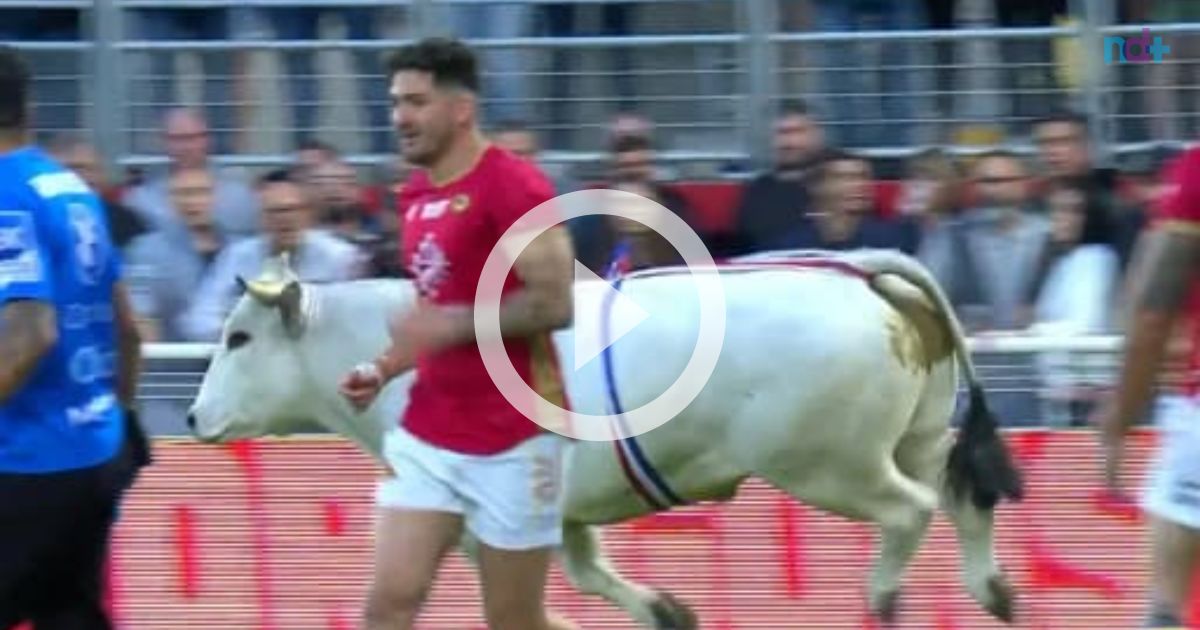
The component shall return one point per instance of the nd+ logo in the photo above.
(1141, 49)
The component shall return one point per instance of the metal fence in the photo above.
(710, 74)
(1031, 380)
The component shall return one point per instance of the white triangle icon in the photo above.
(590, 335)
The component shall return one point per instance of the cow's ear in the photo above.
(291, 308)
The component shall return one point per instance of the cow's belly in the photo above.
(795, 346)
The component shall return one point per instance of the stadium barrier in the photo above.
(276, 534)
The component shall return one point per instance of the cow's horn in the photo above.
(265, 291)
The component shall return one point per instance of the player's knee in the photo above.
(395, 605)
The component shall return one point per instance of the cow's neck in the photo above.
(347, 325)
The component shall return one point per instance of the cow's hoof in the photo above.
(886, 608)
(672, 614)
(1002, 599)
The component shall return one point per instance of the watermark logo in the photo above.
(1141, 49)
(602, 316)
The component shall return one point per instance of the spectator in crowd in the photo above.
(777, 200)
(1078, 270)
(313, 153)
(1147, 177)
(633, 165)
(932, 197)
(290, 222)
(844, 215)
(187, 142)
(341, 211)
(990, 259)
(1064, 146)
(517, 136)
(166, 267)
(1073, 292)
(77, 154)
(300, 23)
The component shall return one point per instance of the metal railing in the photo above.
(1022, 374)
(711, 82)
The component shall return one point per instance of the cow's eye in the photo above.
(236, 340)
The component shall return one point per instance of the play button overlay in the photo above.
(603, 317)
(591, 336)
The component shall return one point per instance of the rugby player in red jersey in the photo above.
(1162, 285)
(462, 455)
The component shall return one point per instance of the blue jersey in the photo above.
(55, 248)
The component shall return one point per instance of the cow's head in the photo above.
(256, 382)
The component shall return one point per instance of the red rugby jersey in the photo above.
(1179, 209)
(448, 232)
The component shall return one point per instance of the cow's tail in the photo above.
(979, 462)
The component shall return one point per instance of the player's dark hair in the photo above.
(449, 61)
(14, 89)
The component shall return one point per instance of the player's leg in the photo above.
(35, 523)
(76, 575)
(420, 520)
(1174, 549)
(516, 513)
(1173, 501)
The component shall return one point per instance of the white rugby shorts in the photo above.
(1173, 486)
(512, 500)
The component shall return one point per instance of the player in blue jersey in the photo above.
(69, 357)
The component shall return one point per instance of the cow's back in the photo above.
(799, 346)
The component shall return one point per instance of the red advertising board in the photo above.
(276, 535)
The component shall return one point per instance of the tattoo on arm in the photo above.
(546, 301)
(28, 329)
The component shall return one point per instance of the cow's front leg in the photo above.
(591, 574)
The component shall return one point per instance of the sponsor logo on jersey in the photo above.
(20, 262)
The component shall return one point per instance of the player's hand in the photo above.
(362, 385)
(1112, 439)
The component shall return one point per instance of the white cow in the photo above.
(834, 387)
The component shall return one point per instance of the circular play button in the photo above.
(603, 315)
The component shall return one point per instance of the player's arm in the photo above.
(1163, 272)
(28, 318)
(129, 346)
(545, 301)
(28, 331)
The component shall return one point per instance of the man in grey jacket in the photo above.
(187, 140)
(289, 220)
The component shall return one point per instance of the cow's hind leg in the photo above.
(905, 510)
(923, 455)
(587, 569)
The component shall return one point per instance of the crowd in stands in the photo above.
(1021, 243)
